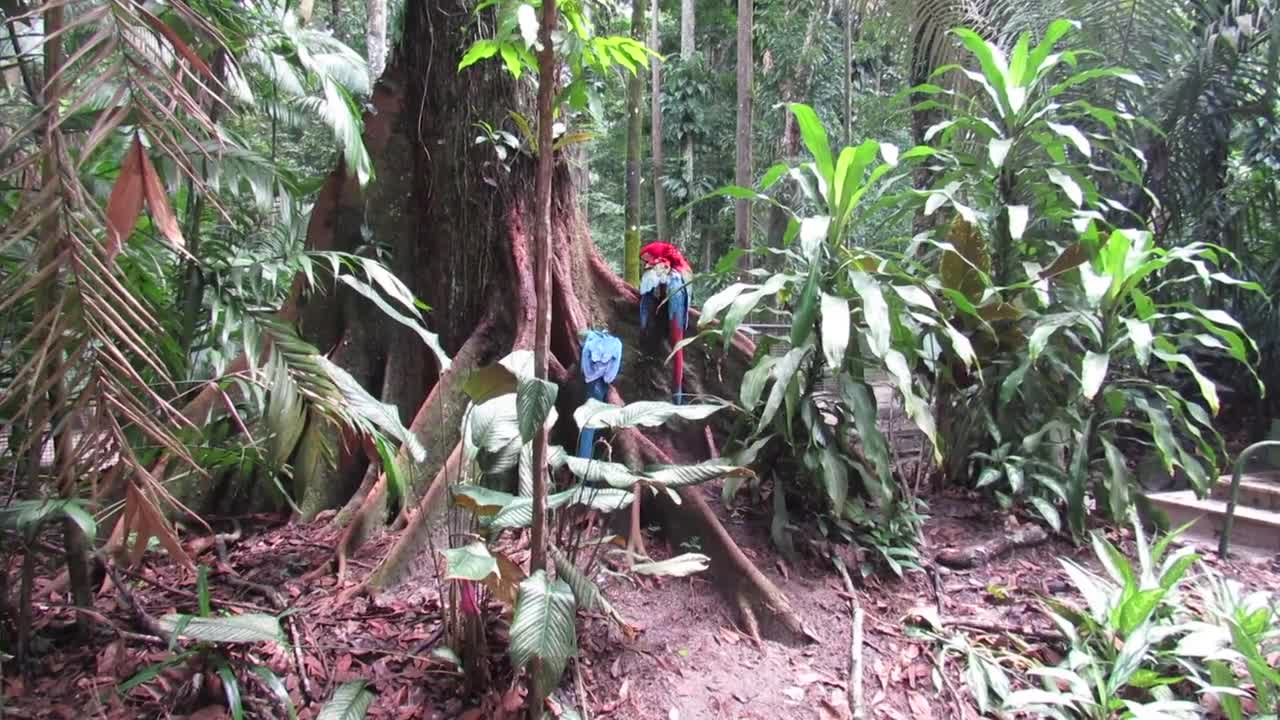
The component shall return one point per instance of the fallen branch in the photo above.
(855, 646)
(987, 626)
(971, 557)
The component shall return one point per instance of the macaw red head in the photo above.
(660, 253)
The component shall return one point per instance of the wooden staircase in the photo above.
(1257, 513)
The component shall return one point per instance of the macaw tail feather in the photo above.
(599, 390)
(677, 382)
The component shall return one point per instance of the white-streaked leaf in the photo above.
(1093, 373)
(1018, 216)
(1068, 185)
(597, 415)
(544, 627)
(998, 150)
(350, 701)
(678, 566)
(528, 20)
(1072, 133)
(835, 329)
(246, 628)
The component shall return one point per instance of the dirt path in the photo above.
(688, 662)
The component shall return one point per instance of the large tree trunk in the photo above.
(460, 222)
(687, 17)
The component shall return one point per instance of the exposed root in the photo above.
(730, 562)
(396, 565)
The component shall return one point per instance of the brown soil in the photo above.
(689, 661)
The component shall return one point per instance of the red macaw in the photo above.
(667, 277)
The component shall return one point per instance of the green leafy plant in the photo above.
(215, 639)
(1078, 330)
(852, 311)
(493, 495)
(1151, 640)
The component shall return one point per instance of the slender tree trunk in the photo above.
(794, 89)
(635, 130)
(848, 72)
(376, 38)
(742, 174)
(655, 126)
(542, 290)
(687, 17)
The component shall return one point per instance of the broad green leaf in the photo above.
(783, 373)
(813, 233)
(597, 415)
(754, 381)
(1048, 511)
(995, 69)
(835, 476)
(678, 566)
(1119, 480)
(815, 139)
(1207, 388)
(246, 628)
(383, 416)
(1093, 373)
(917, 407)
(835, 329)
(470, 562)
(480, 50)
(544, 627)
(480, 500)
(1052, 34)
(350, 701)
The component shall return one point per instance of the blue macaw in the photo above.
(601, 360)
(667, 277)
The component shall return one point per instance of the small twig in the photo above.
(148, 624)
(855, 667)
(187, 594)
(582, 692)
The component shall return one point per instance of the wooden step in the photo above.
(1257, 490)
(1253, 526)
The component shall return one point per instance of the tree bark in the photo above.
(376, 38)
(687, 16)
(655, 126)
(742, 174)
(635, 130)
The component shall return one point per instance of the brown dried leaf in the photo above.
(150, 523)
(125, 203)
(158, 201)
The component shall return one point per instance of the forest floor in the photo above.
(689, 660)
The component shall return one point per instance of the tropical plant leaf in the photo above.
(350, 701)
(469, 562)
(246, 628)
(544, 627)
(678, 566)
(597, 415)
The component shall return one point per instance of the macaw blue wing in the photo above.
(601, 357)
(648, 304)
(679, 297)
